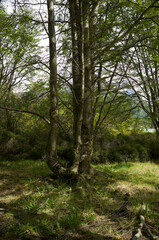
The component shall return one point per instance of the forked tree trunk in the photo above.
(51, 154)
(83, 85)
(83, 82)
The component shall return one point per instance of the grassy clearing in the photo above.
(35, 206)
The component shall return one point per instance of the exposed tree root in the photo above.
(70, 174)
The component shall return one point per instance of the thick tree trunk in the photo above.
(75, 8)
(89, 23)
(83, 81)
(82, 101)
(83, 85)
(87, 124)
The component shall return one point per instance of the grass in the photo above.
(35, 206)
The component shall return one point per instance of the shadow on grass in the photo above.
(46, 226)
(63, 220)
(93, 210)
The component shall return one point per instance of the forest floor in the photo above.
(33, 206)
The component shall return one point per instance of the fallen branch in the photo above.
(139, 233)
(142, 225)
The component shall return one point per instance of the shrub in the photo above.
(154, 149)
(115, 156)
(124, 148)
(100, 157)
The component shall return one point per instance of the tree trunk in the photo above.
(87, 124)
(81, 72)
(83, 82)
(75, 8)
(52, 138)
(89, 22)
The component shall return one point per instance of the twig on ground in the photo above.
(37, 209)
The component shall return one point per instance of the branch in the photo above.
(43, 23)
(25, 111)
(65, 104)
(69, 85)
(119, 38)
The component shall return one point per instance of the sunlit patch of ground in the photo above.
(35, 206)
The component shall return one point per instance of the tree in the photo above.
(19, 50)
(83, 20)
(52, 139)
(142, 67)
(85, 61)
(143, 78)
(19, 57)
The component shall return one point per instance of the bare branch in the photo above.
(25, 111)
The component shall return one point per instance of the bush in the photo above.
(154, 149)
(124, 148)
(100, 157)
(115, 156)
(8, 143)
(29, 143)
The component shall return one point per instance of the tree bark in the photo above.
(52, 138)
(87, 124)
(83, 81)
(89, 23)
(75, 7)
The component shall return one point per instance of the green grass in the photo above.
(35, 205)
(136, 173)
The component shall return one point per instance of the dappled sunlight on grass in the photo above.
(37, 205)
